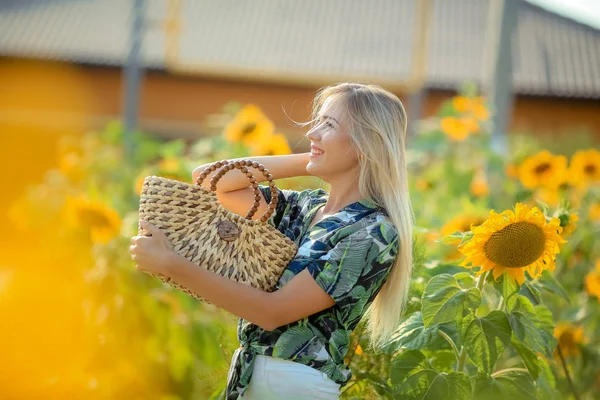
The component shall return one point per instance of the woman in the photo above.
(354, 255)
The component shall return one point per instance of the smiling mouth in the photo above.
(316, 152)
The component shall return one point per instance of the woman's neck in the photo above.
(341, 194)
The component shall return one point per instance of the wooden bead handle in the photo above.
(243, 165)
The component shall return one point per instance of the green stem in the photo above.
(452, 344)
(461, 361)
(564, 364)
(508, 370)
(481, 280)
(500, 304)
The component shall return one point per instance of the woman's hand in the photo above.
(154, 253)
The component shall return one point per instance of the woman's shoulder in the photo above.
(312, 196)
(381, 226)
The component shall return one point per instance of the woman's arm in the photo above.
(234, 191)
(241, 300)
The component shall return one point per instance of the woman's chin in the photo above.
(312, 169)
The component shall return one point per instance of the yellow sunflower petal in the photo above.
(462, 104)
(454, 128)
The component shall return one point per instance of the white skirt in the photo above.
(276, 379)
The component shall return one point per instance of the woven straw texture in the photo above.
(200, 229)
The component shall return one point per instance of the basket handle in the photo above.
(243, 166)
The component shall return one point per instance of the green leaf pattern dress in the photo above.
(349, 255)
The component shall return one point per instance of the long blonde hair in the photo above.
(377, 125)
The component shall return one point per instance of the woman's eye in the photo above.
(329, 124)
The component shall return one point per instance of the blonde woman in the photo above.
(354, 255)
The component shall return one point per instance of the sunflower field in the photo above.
(504, 300)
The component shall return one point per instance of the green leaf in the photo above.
(551, 285)
(546, 325)
(529, 290)
(546, 385)
(511, 385)
(439, 342)
(428, 384)
(444, 300)
(462, 236)
(443, 360)
(529, 357)
(173, 148)
(405, 363)
(486, 338)
(411, 335)
(447, 109)
(465, 280)
(532, 326)
(523, 195)
(219, 392)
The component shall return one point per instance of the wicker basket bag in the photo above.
(200, 229)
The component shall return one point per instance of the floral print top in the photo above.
(349, 254)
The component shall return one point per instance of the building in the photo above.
(61, 61)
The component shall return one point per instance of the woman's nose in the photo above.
(313, 133)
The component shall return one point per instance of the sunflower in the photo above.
(461, 104)
(568, 223)
(458, 129)
(461, 223)
(479, 185)
(592, 281)
(423, 184)
(472, 106)
(514, 242)
(248, 126)
(569, 338)
(102, 221)
(270, 145)
(585, 168)
(543, 169)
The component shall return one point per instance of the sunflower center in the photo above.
(516, 246)
(590, 169)
(92, 218)
(567, 340)
(248, 129)
(540, 169)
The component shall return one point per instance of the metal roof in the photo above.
(266, 39)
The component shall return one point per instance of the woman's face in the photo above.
(332, 153)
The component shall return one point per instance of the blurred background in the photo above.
(97, 94)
